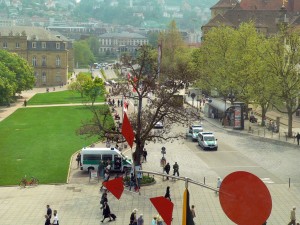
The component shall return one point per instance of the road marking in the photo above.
(267, 180)
(235, 166)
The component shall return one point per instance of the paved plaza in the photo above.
(78, 200)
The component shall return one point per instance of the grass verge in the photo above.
(39, 142)
(59, 97)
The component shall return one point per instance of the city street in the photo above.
(78, 201)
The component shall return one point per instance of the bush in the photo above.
(145, 180)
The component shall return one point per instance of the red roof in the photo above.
(291, 5)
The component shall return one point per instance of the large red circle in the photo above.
(245, 199)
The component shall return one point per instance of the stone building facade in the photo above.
(121, 42)
(51, 55)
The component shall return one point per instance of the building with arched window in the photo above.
(50, 54)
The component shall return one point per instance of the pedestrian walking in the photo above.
(25, 104)
(49, 211)
(78, 159)
(154, 221)
(103, 199)
(168, 195)
(106, 212)
(159, 220)
(101, 169)
(139, 176)
(133, 217)
(175, 169)
(132, 181)
(118, 103)
(219, 182)
(113, 102)
(167, 169)
(293, 216)
(55, 218)
(145, 153)
(47, 222)
(193, 211)
(140, 220)
(121, 102)
(106, 178)
(298, 138)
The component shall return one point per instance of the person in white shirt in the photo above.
(55, 218)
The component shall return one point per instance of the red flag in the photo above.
(127, 130)
(134, 84)
(164, 207)
(115, 186)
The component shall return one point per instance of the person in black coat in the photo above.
(167, 195)
(298, 138)
(47, 222)
(106, 212)
(167, 169)
(103, 199)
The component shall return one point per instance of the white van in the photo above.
(193, 131)
(90, 158)
(207, 140)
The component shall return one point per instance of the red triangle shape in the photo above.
(164, 207)
(115, 186)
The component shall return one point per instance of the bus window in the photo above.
(117, 162)
(91, 157)
(106, 157)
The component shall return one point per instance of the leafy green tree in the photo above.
(214, 61)
(83, 54)
(94, 45)
(23, 71)
(81, 79)
(232, 61)
(7, 84)
(282, 61)
(19, 77)
(93, 89)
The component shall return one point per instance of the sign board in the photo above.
(93, 175)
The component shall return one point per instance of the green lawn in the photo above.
(59, 97)
(39, 142)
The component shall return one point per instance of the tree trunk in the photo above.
(263, 114)
(290, 123)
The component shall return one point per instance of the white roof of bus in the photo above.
(100, 149)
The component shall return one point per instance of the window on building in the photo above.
(44, 61)
(34, 61)
(44, 78)
(58, 78)
(33, 44)
(4, 44)
(57, 62)
(44, 45)
(17, 45)
(57, 45)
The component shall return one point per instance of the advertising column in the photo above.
(238, 116)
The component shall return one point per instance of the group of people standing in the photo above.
(48, 216)
(134, 219)
(167, 169)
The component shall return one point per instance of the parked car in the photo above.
(207, 140)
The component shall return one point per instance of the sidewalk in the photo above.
(78, 201)
(255, 128)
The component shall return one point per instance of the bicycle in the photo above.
(24, 182)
